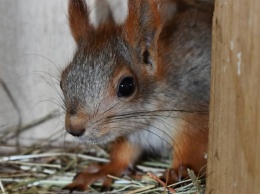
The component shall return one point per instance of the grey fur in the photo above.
(156, 108)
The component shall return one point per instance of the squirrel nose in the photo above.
(75, 131)
(75, 125)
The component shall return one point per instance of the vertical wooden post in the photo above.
(234, 140)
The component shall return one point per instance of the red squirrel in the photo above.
(141, 86)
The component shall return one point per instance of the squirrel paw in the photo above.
(84, 179)
(172, 176)
(93, 173)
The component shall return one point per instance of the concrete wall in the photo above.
(35, 43)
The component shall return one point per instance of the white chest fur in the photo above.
(158, 136)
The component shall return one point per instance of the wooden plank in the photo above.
(234, 140)
(35, 44)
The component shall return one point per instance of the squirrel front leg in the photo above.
(122, 156)
(190, 148)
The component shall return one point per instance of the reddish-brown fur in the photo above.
(191, 141)
(78, 23)
(192, 144)
(121, 155)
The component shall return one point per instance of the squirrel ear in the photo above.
(151, 26)
(78, 19)
(85, 14)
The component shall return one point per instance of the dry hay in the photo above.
(43, 169)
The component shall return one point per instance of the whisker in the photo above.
(52, 85)
(46, 58)
(110, 108)
(127, 127)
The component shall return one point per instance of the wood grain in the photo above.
(234, 140)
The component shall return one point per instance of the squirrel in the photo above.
(141, 86)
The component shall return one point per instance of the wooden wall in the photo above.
(234, 142)
(35, 42)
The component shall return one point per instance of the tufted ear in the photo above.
(78, 19)
(85, 14)
(107, 11)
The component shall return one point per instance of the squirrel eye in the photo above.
(126, 87)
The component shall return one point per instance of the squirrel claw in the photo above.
(172, 176)
(80, 183)
(74, 187)
(82, 180)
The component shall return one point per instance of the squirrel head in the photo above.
(112, 72)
